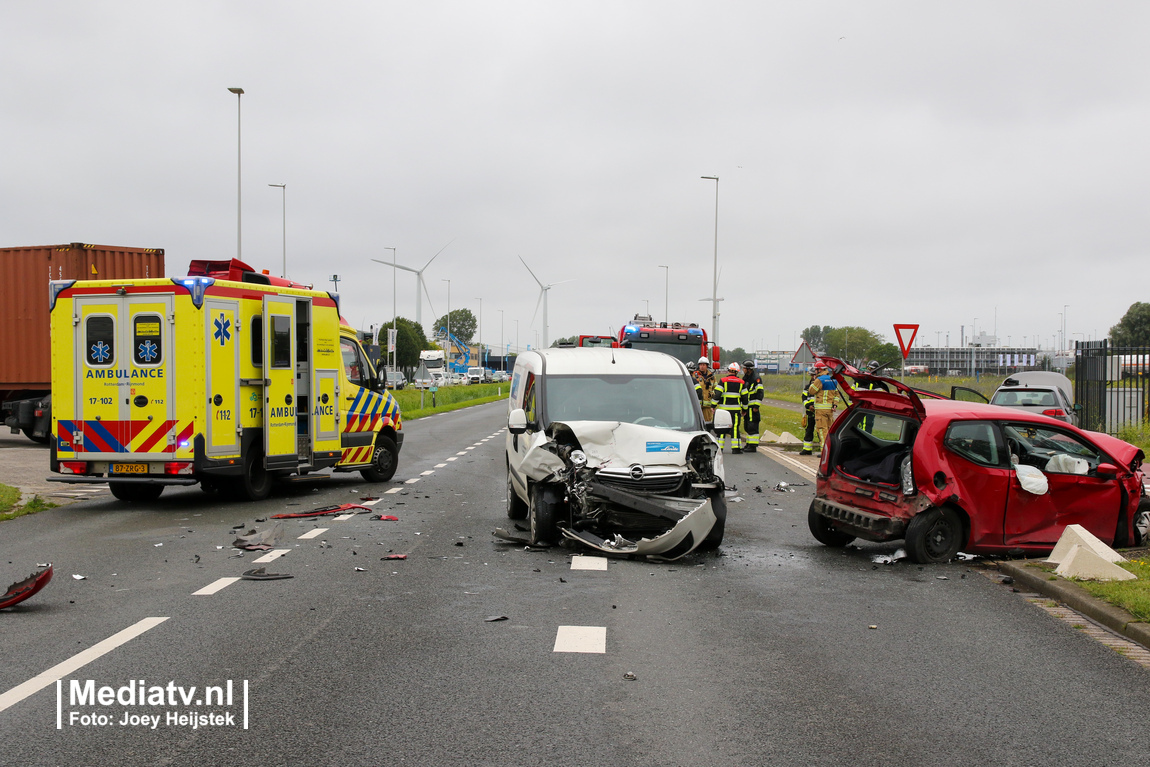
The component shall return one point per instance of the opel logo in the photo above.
(638, 472)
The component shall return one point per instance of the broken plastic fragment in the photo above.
(495, 618)
(630, 677)
(361, 569)
(79, 577)
(888, 559)
(21, 590)
(394, 556)
(261, 574)
(383, 518)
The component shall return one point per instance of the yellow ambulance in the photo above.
(226, 377)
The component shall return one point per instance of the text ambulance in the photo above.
(225, 377)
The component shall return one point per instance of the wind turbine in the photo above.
(543, 289)
(420, 285)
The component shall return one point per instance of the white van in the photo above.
(608, 447)
(475, 375)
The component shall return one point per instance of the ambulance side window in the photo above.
(281, 341)
(100, 333)
(353, 365)
(147, 342)
(257, 340)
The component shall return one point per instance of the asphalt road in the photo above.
(760, 655)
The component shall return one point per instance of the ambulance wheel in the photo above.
(255, 484)
(133, 492)
(383, 460)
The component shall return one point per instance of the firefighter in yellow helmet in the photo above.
(825, 391)
(731, 395)
(808, 421)
(705, 387)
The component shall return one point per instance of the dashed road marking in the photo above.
(214, 586)
(271, 556)
(313, 533)
(586, 639)
(463, 452)
(344, 517)
(466, 449)
(453, 458)
(411, 481)
(77, 661)
(440, 465)
(427, 473)
(372, 502)
(393, 490)
(583, 562)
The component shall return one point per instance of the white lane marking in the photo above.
(790, 463)
(466, 449)
(485, 439)
(271, 556)
(344, 517)
(214, 586)
(453, 458)
(462, 452)
(313, 533)
(590, 639)
(411, 481)
(427, 473)
(583, 562)
(372, 502)
(393, 490)
(440, 465)
(77, 661)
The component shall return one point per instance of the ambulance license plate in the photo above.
(129, 468)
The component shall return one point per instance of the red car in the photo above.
(945, 476)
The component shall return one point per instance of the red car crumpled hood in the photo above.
(905, 402)
(1123, 451)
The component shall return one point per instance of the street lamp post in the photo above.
(448, 317)
(666, 294)
(715, 271)
(482, 362)
(1064, 308)
(283, 188)
(239, 166)
(501, 340)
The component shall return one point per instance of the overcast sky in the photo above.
(879, 162)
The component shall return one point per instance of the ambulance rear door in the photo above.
(124, 378)
(223, 370)
(279, 382)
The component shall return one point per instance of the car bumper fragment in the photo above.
(866, 524)
(697, 519)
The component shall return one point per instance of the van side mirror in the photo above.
(723, 420)
(517, 421)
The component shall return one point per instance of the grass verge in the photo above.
(447, 399)
(10, 498)
(1131, 596)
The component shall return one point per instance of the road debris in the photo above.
(630, 677)
(383, 518)
(889, 559)
(361, 569)
(261, 574)
(393, 556)
(495, 618)
(323, 511)
(521, 540)
(254, 540)
(79, 577)
(21, 590)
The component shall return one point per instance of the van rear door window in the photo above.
(147, 341)
(281, 341)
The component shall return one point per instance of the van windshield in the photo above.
(667, 402)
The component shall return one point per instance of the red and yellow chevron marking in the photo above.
(353, 456)
(123, 436)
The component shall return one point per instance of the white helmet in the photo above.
(734, 367)
(704, 361)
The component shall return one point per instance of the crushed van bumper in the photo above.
(696, 518)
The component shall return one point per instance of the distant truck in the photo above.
(26, 361)
(685, 342)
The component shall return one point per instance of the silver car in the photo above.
(1042, 392)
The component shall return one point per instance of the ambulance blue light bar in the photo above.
(197, 286)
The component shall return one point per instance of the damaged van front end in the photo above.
(626, 489)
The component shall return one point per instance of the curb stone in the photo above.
(1114, 618)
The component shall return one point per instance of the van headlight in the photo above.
(908, 487)
(578, 459)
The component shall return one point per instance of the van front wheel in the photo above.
(383, 460)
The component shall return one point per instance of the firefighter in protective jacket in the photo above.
(825, 391)
(754, 389)
(808, 421)
(731, 395)
(705, 387)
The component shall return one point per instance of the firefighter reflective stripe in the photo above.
(729, 394)
(755, 390)
(824, 391)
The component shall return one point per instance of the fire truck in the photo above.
(225, 377)
(685, 342)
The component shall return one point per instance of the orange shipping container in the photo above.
(25, 357)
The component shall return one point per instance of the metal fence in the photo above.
(1112, 384)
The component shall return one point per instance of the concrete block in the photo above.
(1083, 563)
(786, 438)
(1077, 535)
(768, 436)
